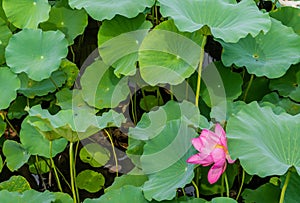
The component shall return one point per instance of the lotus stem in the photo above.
(226, 184)
(200, 70)
(196, 188)
(242, 184)
(114, 152)
(286, 182)
(71, 154)
(248, 87)
(54, 167)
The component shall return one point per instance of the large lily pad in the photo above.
(31, 88)
(107, 9)
(27, 196)
(101, 88)
(265, 143)
(26, 13)
(9, 84)
(289, 84)
(36, 143)
(119, 40)
(168, 55)
(15, 184)
(36, 53)
(167, 133)
(227, 20)
(269, 54)
(288, 16)
(5, 35)
(71, 22)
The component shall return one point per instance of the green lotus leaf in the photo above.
(94, 154)
(90, 181)
(31, 88)
(128, 193)
(280, 104)
(119, 40)
(9, 84)
(262, 145)
(27, 196)
(176, 54)
(223, 111)
(39, 165)
(227, 20)
(288, 16)
(16, 155)
(107, 9)
(289, 84)
(71, 22)
(264, 55)
(26, 13)
(15, 184)
(36, 143)
(5, 35)
(2, 13)
(71, 70)
(16, 108)
(36, 53)
(101, 88)
(265, 193)
(227, 86)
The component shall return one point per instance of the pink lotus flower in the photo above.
(212, 147)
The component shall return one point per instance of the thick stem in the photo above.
(54, 168)
(200, 70)
(248, 87)
(196, 188)
(226, 183)
(241, 186)
(71, 156)
(114, 152)
(286, 182)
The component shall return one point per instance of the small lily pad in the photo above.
(26, 13)
(15, 184)
(36, 53)
(94, 154)
(16, 155)
(9, 84)
(90, 181)
(71, 22)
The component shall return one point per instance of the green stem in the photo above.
(200, 70)
(242, 184)
(286, 182)
(248, 87)
(73, 54)
(226, 183)
(196, 188)
(145, 100)
(71, 154)
(114, 152)
(54, 168)
(10, 125)
(274, 4)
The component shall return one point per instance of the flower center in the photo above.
(222, 147)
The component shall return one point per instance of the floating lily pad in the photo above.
(71, 22)
(36, 143)
(262, 145)
(15, 184)
(94, 154)
(16, 155)
(5, 35)
(101, 88)
(31, 88)
(26, 13)
(9, 84)
(288, 16)
(90, 181)
(269, 54)
(227, 20)
(119, 40)
(168, 55)
(36, 53)
(104, 9)
(289, 84)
